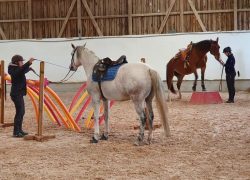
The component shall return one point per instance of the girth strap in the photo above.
(103, 97)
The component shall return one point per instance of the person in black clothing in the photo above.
(230, 73)
(17, 71)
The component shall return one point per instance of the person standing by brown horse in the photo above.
(230, 73)
(188, 61)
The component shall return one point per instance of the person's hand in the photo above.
(221, 62)
(31, 60)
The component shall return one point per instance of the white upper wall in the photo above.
(157, 49)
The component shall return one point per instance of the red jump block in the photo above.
(206, 98)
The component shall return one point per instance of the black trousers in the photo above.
(20, 111)
(230, 86)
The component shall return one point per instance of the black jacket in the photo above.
(229, 66)
(18, 78)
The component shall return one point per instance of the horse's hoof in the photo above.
(104, 137)
(93, 140)
(149, 141)
(194, 88)
(204, 89)
(138, 143)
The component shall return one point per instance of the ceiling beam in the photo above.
(30, 19)
(166, 17)
(197, 15)
(79, 18)
(235, 16)
(66, 18)
(2, 33)
(181, 16)
(99, 32)
(130, 20)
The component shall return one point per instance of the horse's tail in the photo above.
(160, 99)
(169, 77)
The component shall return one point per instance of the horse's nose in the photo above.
(71, 68)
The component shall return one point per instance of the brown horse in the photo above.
(188, 61)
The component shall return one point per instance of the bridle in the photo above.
(212, 49)
(72, 62)
(72, 58)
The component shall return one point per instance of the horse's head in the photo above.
(215, 49)
(75, 62)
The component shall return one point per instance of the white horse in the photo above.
(135, 81)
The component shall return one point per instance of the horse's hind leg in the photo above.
(180, 78)
(139, 107)
(106, 119)
(195, 81)
(202, 78)
(150, 116)
(150, 120)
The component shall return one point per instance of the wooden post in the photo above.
(39, 136)
(197, 15)
(30, 18)
(235, 16)
(130, 20)
(41, 100)
(66, 18)
(181, 16)
(2, 98)
(163, 23)
(79, 18)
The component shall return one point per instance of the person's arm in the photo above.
(17, 71)
(26, 66)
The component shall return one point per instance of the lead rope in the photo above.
(62, 80)
(220, 85)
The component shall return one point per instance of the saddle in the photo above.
(184, 54)
(103, 65)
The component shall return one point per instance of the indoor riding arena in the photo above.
(97, 78)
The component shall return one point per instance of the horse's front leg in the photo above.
(139, 106)
(106, 119)
(96, 106)
(195, 80)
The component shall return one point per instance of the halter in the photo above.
(72, 58)
(72, 62)
(211, 45)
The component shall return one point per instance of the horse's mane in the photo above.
(203, 45)
(82, 48)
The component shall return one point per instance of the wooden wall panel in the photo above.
(62, 18)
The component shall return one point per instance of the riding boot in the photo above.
(21, 128)
(17, 131)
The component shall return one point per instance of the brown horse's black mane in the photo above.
(204, 45)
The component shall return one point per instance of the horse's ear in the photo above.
(84, 45)
(73, 46)
(217, 39)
